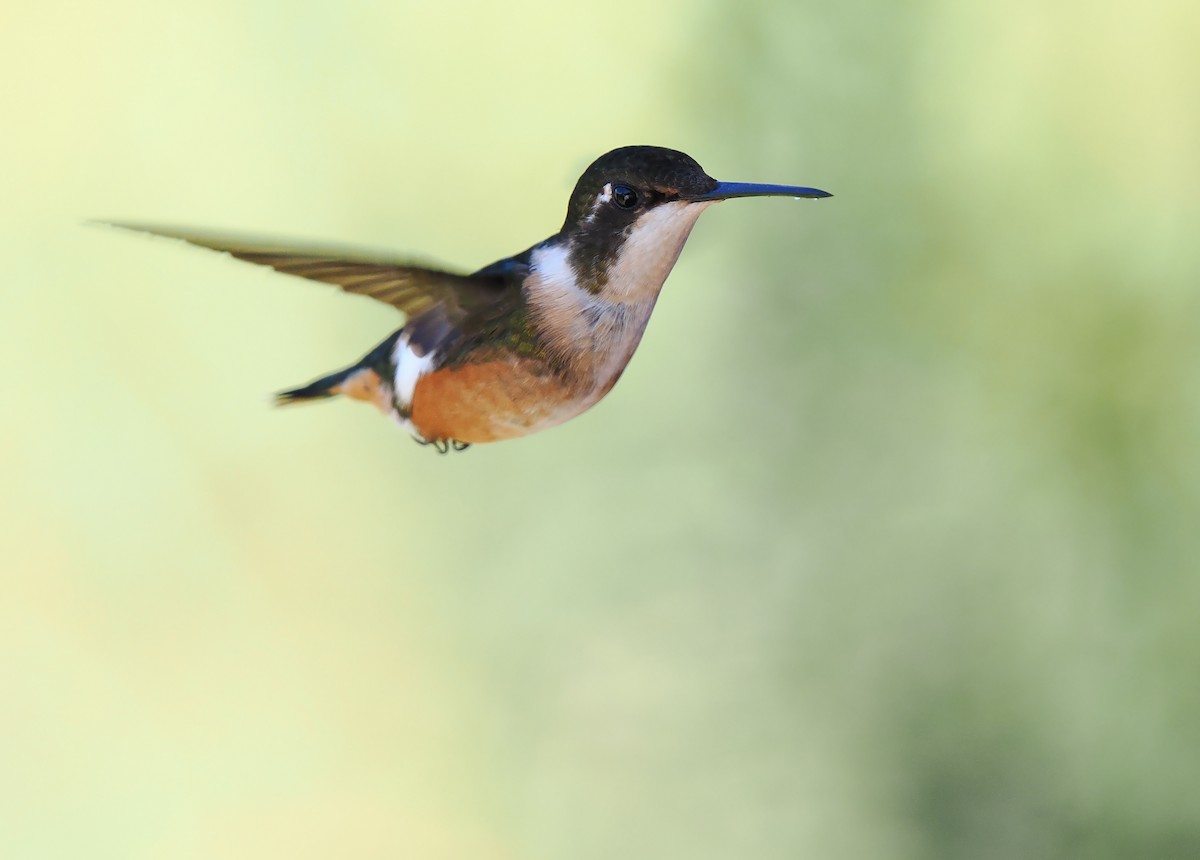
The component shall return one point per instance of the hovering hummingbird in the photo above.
(529, 341)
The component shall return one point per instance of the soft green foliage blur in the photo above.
(886, 546)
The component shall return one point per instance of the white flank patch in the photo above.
(409, 368)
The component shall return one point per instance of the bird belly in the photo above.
(489, 401)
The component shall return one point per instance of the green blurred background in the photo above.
(885, 547)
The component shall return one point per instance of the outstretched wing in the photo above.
(410, 288)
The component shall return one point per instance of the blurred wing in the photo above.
(410, 288)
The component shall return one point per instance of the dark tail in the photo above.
(359, 381)
(319, 389)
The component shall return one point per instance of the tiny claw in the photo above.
(442, 446)
(439, 445)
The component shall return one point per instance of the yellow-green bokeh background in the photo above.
(885, 547)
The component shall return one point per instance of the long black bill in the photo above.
(725, 190)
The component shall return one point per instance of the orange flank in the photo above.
(490, 401)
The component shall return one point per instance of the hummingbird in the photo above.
(529, 341)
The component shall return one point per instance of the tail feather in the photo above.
(318, 389)
(362, 381)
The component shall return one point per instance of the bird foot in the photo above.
(443, 446)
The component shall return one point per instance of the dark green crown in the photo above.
(667, 171)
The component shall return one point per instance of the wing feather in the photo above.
(409, 287)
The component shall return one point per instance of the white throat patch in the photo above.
(650, 251)
(643, 262)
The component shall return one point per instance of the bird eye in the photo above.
(624, 196)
